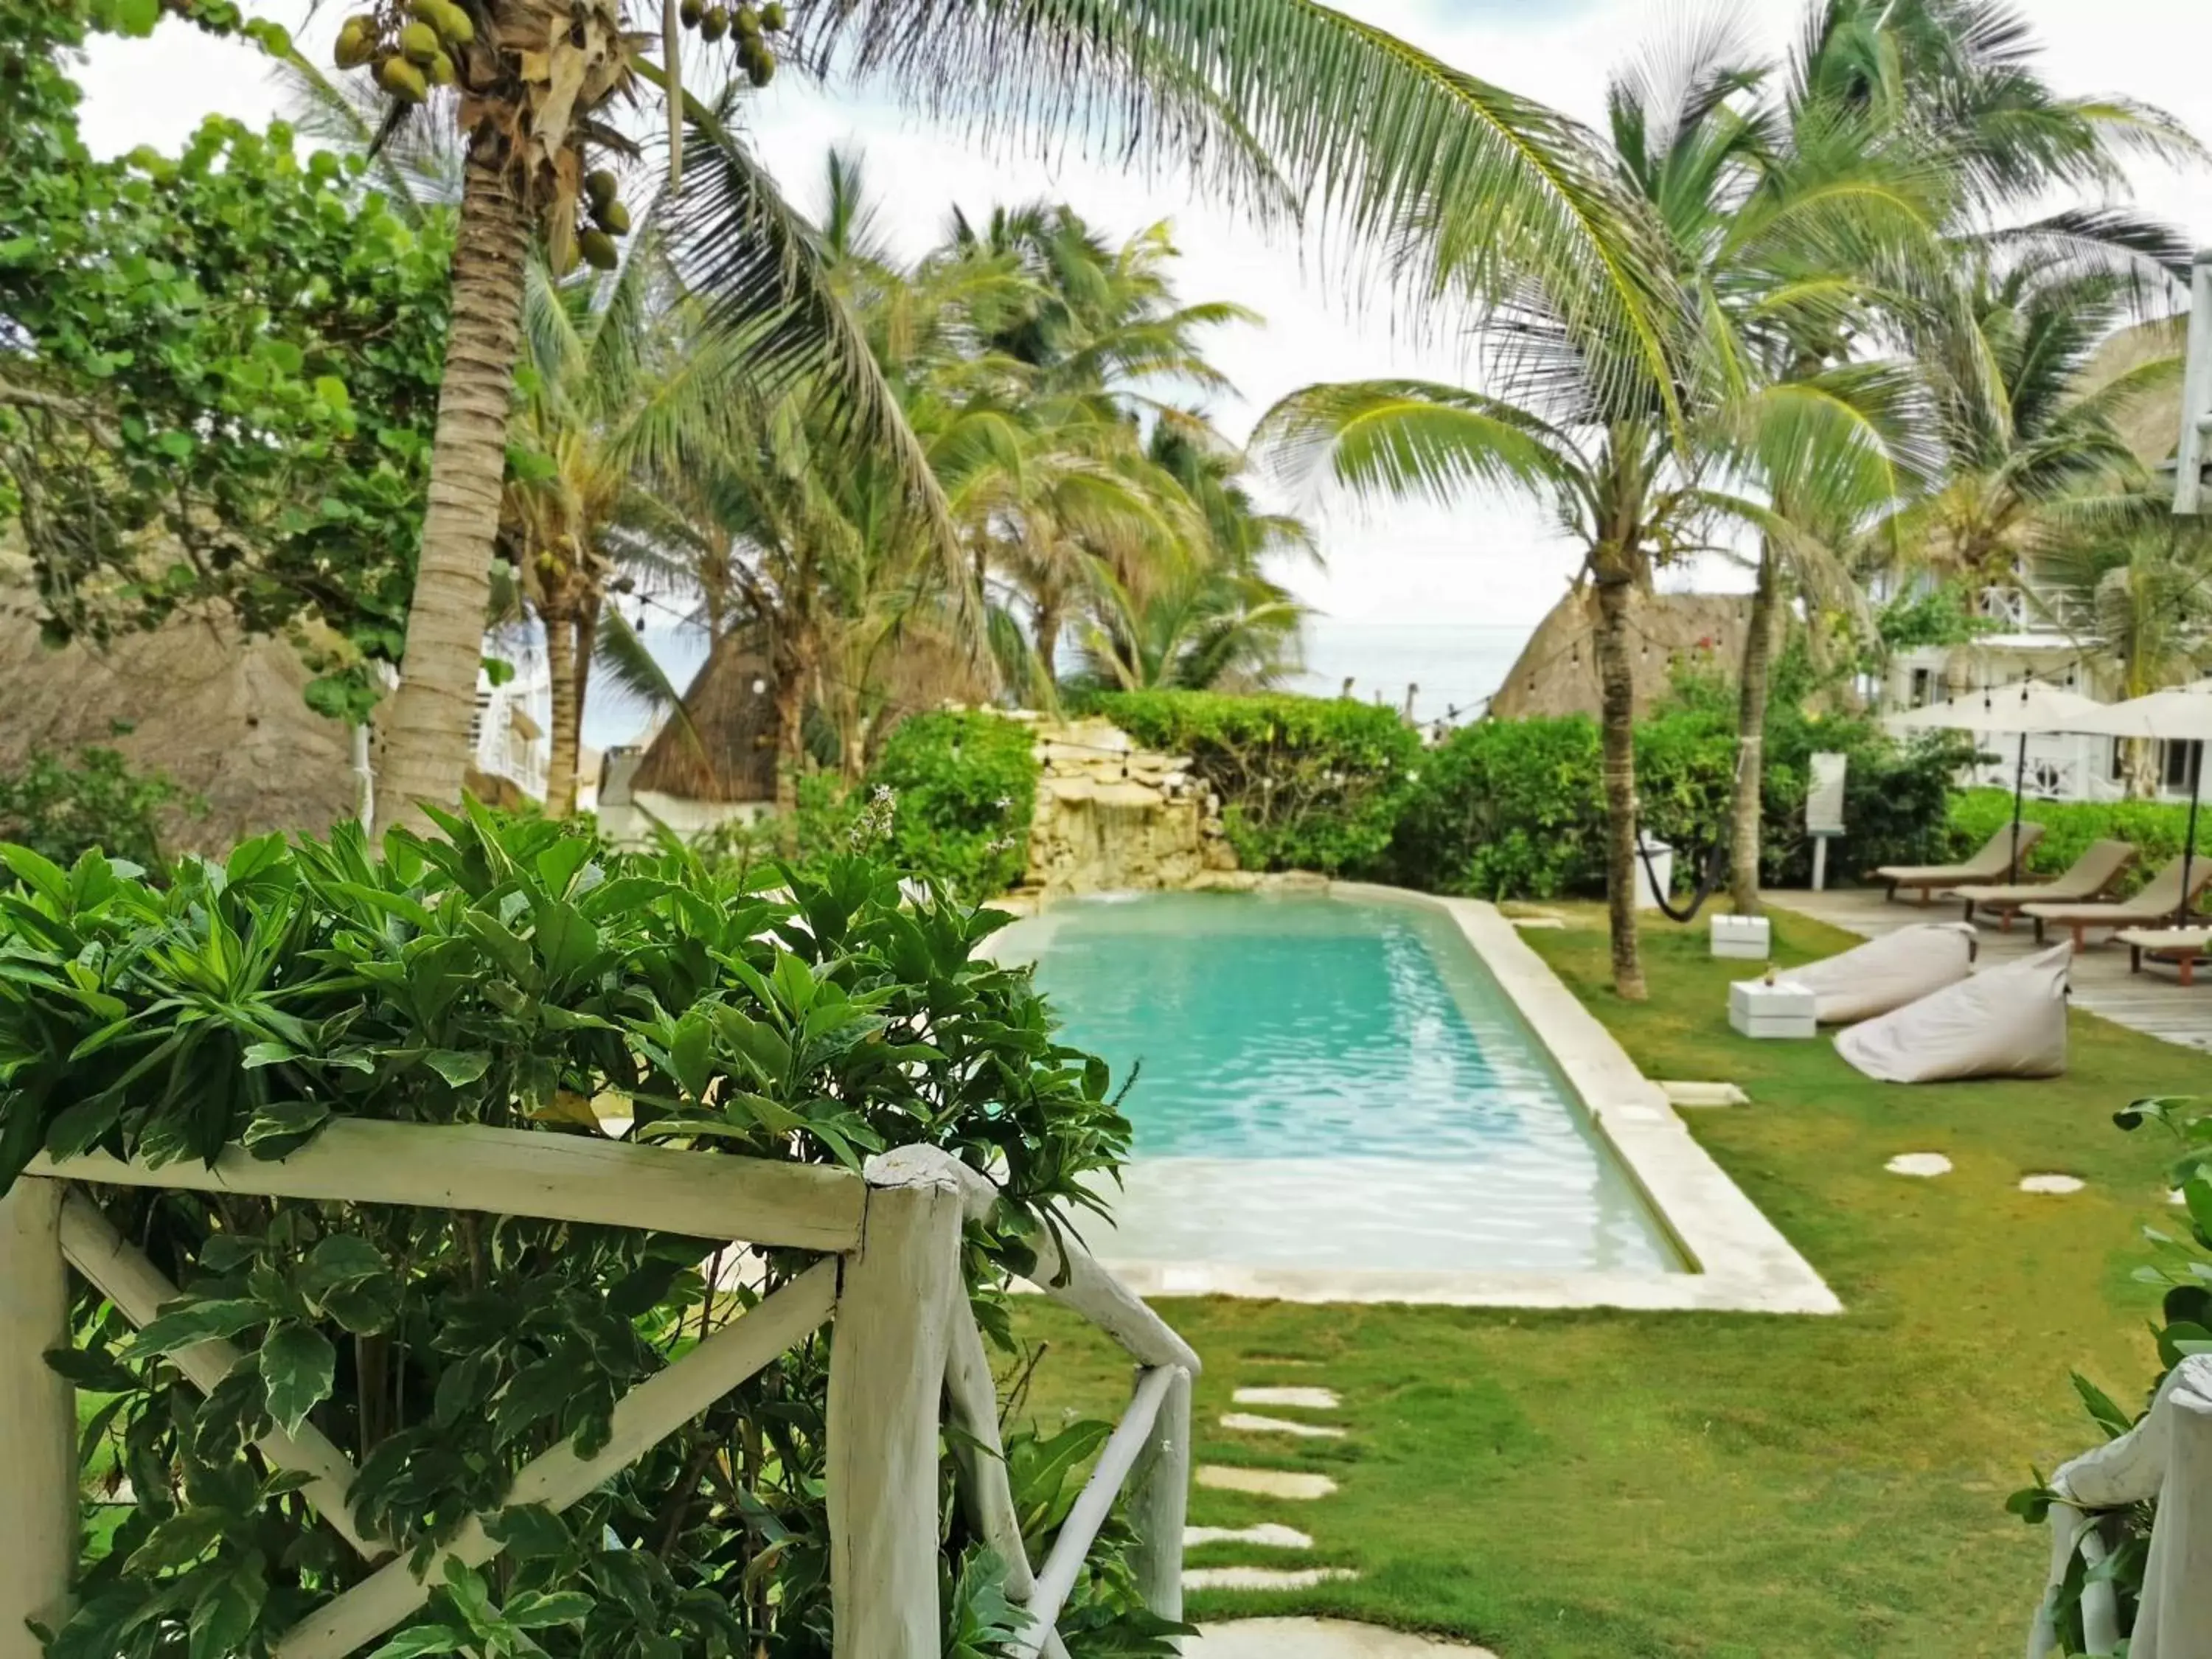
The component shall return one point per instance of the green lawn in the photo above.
(1729, 1485)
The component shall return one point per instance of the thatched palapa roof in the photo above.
(725, 750)
(222, 714)
(1557, 671)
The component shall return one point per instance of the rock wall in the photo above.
(1111, 817)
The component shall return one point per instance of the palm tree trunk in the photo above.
(1047, 636)
(790, 737)
(1757, 675)
(426, 735)
(1616, 702)
(567, 717)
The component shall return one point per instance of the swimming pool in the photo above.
(1332, 1083)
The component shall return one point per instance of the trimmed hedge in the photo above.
(1306, 783)
(2157, 828)
(1516, 808)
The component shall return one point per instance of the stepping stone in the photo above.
(1249, 1423)
(1538, 921)
(1318, 1638)
(2051, 1184)
(1266, 1483)
(1261, 1578)
(1267, 1533)
(1312, 1399)
(1925, 1164)
(1704, 1094)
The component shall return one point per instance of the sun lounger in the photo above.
(2008, 1021)
(2181, 946)
(2087, 879)
(1994, 863)
(2158, 903)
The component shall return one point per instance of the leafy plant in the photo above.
(218, 370)
(1306, 783)
(2182, 1268)
(1514, 809)
(516, 974)
(963, 789)
(58, 808)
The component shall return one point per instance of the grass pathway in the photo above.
(1728, 1486)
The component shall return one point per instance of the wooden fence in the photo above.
(2166, 1458)
(907, 1354)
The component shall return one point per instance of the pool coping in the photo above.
(1740, 1260)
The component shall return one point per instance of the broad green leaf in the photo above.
(421, 1639)
(223, 1619)
(298, 1364)
(194, 1323)
(178, 1541)
(459, 1067)
(540, 1610)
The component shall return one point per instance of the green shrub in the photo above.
(1516, 808)
(520, 976)
(1306, 783)
(961, 791)
(58, 808)
(2157, 828)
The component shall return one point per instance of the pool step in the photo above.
(1704, 1094)
(1253, 1423)
(1290, 1484)
(1261, 1578)
(1312, 1399)
(1269, 1534)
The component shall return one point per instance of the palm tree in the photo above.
(1284, 105)
(1213, 630)
(2138, 602)
(1749, 436)
(1945, 115)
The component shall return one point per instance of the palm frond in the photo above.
(1466, 189)
(1383, 440)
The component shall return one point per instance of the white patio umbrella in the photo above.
(2182, 714)
(2024, 710)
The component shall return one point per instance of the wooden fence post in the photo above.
(1160, 1499)
(887, 1354)
(38, 1420)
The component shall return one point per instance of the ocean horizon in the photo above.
(1453, 667)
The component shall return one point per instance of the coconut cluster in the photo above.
(751, 27)
(409, 51)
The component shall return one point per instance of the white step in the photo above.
(1249, 1423)
(1312, 1399)
(1266, 1483)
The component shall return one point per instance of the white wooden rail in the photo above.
(2168, 1456)
(907, 1355)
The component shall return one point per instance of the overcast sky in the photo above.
(1483, 562)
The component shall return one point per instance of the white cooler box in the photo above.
(1747, 937)
(1781, 1010)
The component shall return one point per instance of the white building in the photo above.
(2027, 639)
(509, 737)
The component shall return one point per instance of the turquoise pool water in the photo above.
(1326, 1082)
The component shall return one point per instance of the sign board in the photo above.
(1824, 806)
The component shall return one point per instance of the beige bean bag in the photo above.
(1886, 973)
(2003, 1022)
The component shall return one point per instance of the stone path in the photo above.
(1291, 1485)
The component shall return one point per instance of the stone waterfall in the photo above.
(1112, 817)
